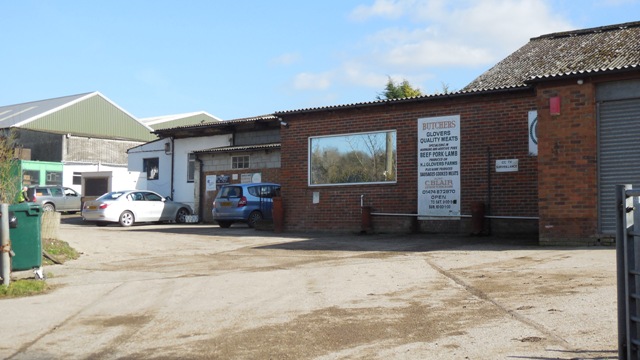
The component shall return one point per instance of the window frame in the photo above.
(191, 167)
(310, 166)
(147, 166)
(234, 163)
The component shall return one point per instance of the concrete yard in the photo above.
(202, 292)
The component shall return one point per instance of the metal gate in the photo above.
(628, 270)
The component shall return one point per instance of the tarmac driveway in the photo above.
(202, 292)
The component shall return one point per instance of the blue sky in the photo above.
(237, 59)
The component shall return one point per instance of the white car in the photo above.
(132, 206)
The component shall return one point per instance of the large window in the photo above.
(152, 167)
(353, 158)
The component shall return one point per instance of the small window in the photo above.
(240, 162)
(54, 177)
(191, 167)
(77, 178)
(151, 167)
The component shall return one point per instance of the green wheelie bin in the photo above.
(25, 236)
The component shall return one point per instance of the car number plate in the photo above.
(92, 207)
(225, 203)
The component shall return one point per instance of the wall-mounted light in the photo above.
(580, 81)
(283, 123)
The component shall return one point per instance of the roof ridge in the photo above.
(592, 30)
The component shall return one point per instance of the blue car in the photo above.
(247, 203)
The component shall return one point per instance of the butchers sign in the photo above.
(439, 167)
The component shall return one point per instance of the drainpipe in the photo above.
(488, 213)
(173, 157)
(200, 193)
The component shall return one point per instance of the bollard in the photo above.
(366, 220)
(477, 218)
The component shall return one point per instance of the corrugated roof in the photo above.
(88, 114)
(186, 119)
(587, 51)
(18, 114)
(405, 100)
(240, 148)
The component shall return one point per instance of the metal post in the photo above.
(621, 213)
(5, 245)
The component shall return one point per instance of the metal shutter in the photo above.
(619, 154)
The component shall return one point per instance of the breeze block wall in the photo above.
(493, 126)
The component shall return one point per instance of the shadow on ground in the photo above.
(297, 241)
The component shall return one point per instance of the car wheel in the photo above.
(254, 217)
(126, 219)
(181, 216)
(101, 223)
(48, 207)
(224, 224)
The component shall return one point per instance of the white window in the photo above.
(191, 167)
(240, 162)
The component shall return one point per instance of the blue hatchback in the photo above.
(248, 203)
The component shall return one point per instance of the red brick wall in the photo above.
(568, 171)
(496, 123)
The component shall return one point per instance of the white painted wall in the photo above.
(121, 177)
(154, 149)
(184, 191)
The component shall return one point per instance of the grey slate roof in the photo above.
(588, 51)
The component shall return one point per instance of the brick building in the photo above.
(536, 142)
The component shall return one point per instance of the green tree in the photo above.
(399, 90)
(9, 182)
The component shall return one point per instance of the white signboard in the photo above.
(439, 167)
(533, 133)
(508, 165)
(211, 182)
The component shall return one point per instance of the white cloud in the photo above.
(286, 59)
(380, 8)
(309, 81)
(420, 38)
(433, 53)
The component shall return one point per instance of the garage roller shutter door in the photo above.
(619, 158)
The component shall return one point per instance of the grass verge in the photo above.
(58, 249)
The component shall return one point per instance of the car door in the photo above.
(154, 207)
(71, 199)
(57, 197)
